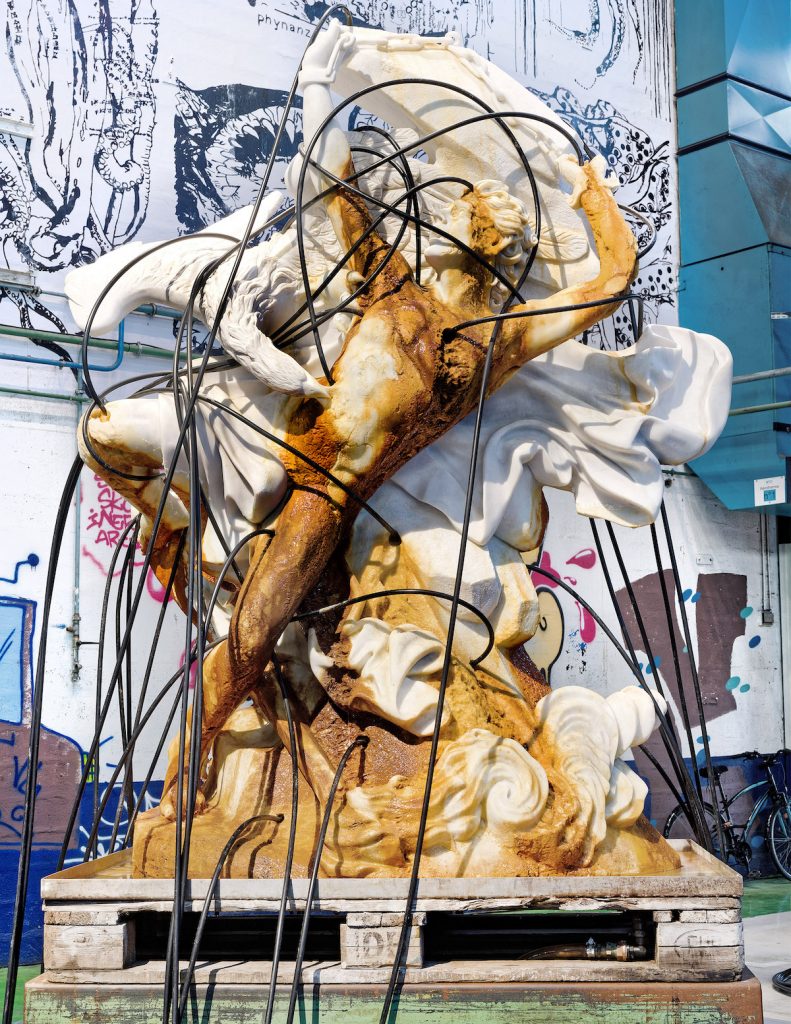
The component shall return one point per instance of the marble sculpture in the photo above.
(528, 780)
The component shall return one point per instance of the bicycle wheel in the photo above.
(678, 826)
(779, 832)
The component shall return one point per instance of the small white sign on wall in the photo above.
(770, 491)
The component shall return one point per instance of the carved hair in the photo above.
(512, 221)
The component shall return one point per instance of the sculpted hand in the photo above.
(321, 60)
(579, 176)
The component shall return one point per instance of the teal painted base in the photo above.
(592, 1003)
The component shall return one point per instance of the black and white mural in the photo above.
(82, 74)
(223, 137)
(152, 118)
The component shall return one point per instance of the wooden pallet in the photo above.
(93, 912)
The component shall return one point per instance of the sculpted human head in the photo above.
(492, 222)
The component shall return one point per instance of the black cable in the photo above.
(292, 838)
(393, 592)
(635, 666)
(86, 334)
(362, 742)
(636, 609)
(100, 664)
(414, 874)
(676, 660)
(668, 735)
(393, 534)
(232, 840)
(695, 681)
(353, 99)
(26, 835)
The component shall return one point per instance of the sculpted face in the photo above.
(442, 254)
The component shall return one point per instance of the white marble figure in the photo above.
(597, 424)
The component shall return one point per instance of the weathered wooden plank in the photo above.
(377, 920)
(688, 935)
(700, 875)
(377, 947)
(95, 947)
(599, 1003)
(125, 906)
(701, 961)
(87, 916)
(725, 967)
(711, 916)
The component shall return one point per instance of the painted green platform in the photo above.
(591, 1003)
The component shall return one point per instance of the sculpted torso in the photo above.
(527, 781)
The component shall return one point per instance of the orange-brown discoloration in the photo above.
(404, 377)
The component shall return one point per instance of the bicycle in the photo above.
(736, 845)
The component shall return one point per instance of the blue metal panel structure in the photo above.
(734, 135)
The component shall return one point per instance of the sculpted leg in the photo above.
(283, 571)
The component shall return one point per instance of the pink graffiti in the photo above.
(154, 588)
(585, 559)
(110, 518)
(548, 580)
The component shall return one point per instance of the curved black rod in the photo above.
(718, 799)
(637, 613)
(397, 591)
(419, 222)
(194, 600)
(671, 743)
(683, 779)
(158, 629)
(282, 337)
(232, 840)
(195, 581)
(362, 742)
(86, 334)
(682, 697)
(639, 215)
(137, 729)
(410, 181)
(396, 972)
(292, 838)
(309, 295)
(457, 583)
(681, 800)
(167, 481)
(498, 117)
(144, 720)
(26, 837)
(178, 396)
(303, 328)
(616, 300)
(124, 688)
(100, 657)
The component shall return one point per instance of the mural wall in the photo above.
(151, 119)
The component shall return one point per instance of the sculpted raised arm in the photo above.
(524, 338)
(348, 213)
